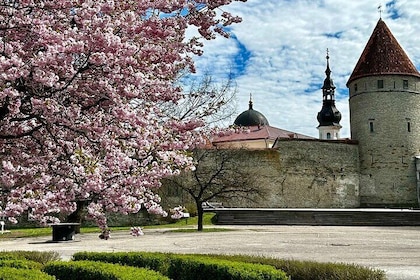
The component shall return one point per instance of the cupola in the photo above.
(251, 117)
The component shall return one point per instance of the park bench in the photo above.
(64, 231)
(211, 205)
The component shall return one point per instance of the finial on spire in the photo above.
(328, 71)
(380, 11)
(250, 101)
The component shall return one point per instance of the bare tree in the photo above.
(218, 176)
(205, 99)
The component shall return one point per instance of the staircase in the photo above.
(321, 217)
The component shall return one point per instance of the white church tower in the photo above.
(329, 117)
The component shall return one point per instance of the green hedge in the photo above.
(298, 270)
(25, 264)
(37, 256)
(10, 273)
(10, 256)
(155, 261)
(309, 270)
(202, 267)
(186, 267)
(89, 270)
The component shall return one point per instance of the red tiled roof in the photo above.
(383, 55)
(259, 132)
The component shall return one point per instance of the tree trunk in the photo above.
(76, 216)
(200, 213)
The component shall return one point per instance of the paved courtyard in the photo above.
(393, 249)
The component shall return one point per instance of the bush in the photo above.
(308, 270)
(10, 256)
(185, 267)
(24, 264)
(199, 267)
(36, 256)
(298, 270)
(10, 273)
(89, 270)
(154, 261)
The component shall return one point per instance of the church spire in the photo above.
(328, 88)
(329, 117)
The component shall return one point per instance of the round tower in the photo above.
(329, 117)
(384, 97)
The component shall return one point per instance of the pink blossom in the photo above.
(83, 87)
(136, 231)
(177, 212)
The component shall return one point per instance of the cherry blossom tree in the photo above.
(82, 87)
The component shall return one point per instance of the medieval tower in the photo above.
(384, 97)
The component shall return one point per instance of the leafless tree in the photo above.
(205, 99)
(218, 176)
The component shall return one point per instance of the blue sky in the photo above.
(278, 53)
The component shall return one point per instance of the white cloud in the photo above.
(287, 41)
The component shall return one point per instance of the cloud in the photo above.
(278, 53)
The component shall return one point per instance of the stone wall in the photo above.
(315, 173)
(297, 174)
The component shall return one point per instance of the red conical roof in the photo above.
(383, 55)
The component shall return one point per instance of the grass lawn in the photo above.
(183, 225)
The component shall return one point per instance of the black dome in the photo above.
(250, 117)
(329, 115)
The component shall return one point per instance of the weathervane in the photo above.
(250, 101)
(380, 10)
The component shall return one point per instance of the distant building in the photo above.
(254, 133)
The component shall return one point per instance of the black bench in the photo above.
(64, 231)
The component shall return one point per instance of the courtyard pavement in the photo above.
(393, 249)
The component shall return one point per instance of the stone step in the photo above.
(307, 216)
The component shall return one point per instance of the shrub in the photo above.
(10, 273)
(10, 256)
(89, 270)
(202, 267)
(37, 256)
(154, 261)
(298, 270)
(24, 264)
(184, 267)
(309, 270)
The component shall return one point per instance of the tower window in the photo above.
(371, 126)
(408, 126)
(328, 135)
(355, 87)
(380, 83)
(405, 84)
